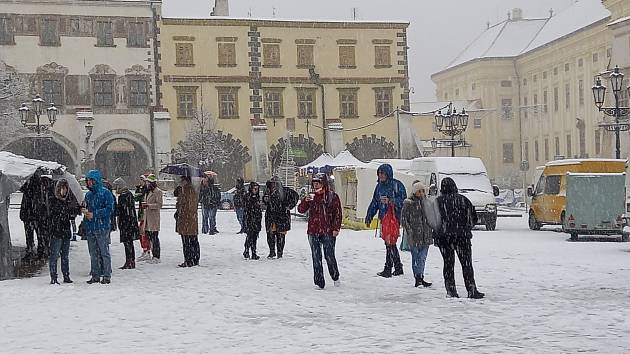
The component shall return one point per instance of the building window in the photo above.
(598, 143)
(347, 59)
(544, 75)
(228, 102)
(535, 78)
(506, 108)
(138, 93)
(6, 31)
(595, 57)
(382, 56)
(569, 149)
(567, 67)
(305, 57)
(271, 55)
(524, 82)
(506, 83)
(52, 92)
(508, 153)
(525, 107)
(49, 32)
(384, 101)
(546, 149)
(580, 63)
(136, 35)
(526, 151)
(306, 103)
(581, 92)
(104, 92)
(476, 123)
(535, 102)
(536, 154)
(291, 124)
(227, 54)
(348, 101)
(184, 55)
(104, 34)
(555, 71)
(186, 102)
(545, 102)
(557, 143)
(567, 96)
(556, 99)
(273, 103)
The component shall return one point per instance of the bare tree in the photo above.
(13, 91)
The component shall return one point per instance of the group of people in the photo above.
(50, 208)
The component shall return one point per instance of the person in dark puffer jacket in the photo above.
(458, 218)
(252, 220)
(324, 222)
(63, 208)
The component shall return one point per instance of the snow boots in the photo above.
(66, 279)
(94, 280)
(53, 279)
(392, 260)
(106, 280)
(420, 281)
(476, 294)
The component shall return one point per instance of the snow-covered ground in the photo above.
(543, 294)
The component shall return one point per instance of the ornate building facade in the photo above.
(96, 61)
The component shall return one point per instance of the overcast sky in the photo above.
(439, 29)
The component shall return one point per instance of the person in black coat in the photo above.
(28, 215)
(210, 199)
(127, 222)
(63, 208)
(458, 218)
(239, 201)
(110, 188)
(279, 201)
(44, 197)
(252, 219)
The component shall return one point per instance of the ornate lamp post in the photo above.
(451, 124)
(38, 126)
(617, 112)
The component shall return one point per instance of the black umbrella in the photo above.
(182, 169)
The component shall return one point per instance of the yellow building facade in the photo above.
(258, 80)
(532, 77)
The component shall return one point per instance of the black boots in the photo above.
(476, 294)
(420, 281)
(66, 279)
(106, 280)
(392, 260)
(53, 279)
(94, 280)
(397, 272)
(386, 273)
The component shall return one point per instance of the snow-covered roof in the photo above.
(514, 37)
(323, 160)
(579, 161)
(454, 165)
(345, 158)
(15, 170)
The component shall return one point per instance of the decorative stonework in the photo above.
(137, 70)
(102, 69)
(305, 150)
(52, 69)
(368, 148)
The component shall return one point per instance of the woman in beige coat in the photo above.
(152, 205)
(186, 221)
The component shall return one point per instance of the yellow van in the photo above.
(548, 203)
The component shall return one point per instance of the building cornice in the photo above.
(283, 23)
(111, 3)
(284, 80)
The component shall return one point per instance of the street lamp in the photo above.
(37, 104)
(451, 124)
(617, 112)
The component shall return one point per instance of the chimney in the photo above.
(517, 14)
(221, 8)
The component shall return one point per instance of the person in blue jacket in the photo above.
(388, 191)
(99, 206)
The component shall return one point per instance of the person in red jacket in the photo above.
(324, 222)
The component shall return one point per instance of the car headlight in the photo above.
(491, 208)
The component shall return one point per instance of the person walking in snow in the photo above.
(418, 230)
(28, 216)
(210, 198)
(324, 222)
(186, 221)
(98, 225)
(252, 220)
(239, 202)
(387, 201)
(458, 218)
(127, 222)
(139, 195)
(63, 208)
(279, 201)
(151, 207)
(45, 195)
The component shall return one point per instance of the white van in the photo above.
(471, 177)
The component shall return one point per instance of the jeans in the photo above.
(209, 220)
(239, 216)
(418, 259)
(100, 258)
(58, 245)
(328, 244)
(155, 243)
(464, 253)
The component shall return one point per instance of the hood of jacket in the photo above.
(388, 170)
(60, 184)
(448, 186)
(120, 185)
(96, 176)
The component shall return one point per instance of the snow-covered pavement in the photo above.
(543, 294)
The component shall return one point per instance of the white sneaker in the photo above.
(337, 283)
(154, 260)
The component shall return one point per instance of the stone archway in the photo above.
(368, 148)
(47, 148)
(304, 149)
(121, 157)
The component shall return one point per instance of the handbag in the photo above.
(390, 229)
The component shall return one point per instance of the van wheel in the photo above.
(533, 223)
(625, 237)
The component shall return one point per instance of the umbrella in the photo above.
(182, 169)
(210, 173)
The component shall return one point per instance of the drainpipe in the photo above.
(520, 120)
(158, 93)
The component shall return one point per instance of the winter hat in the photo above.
(418, 186)
(120, 184)
(152, 178)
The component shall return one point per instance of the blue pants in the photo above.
(57, 246)
(208, 220)
(418, 259)
(328, 244)
(239, 216)
(100, 258)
